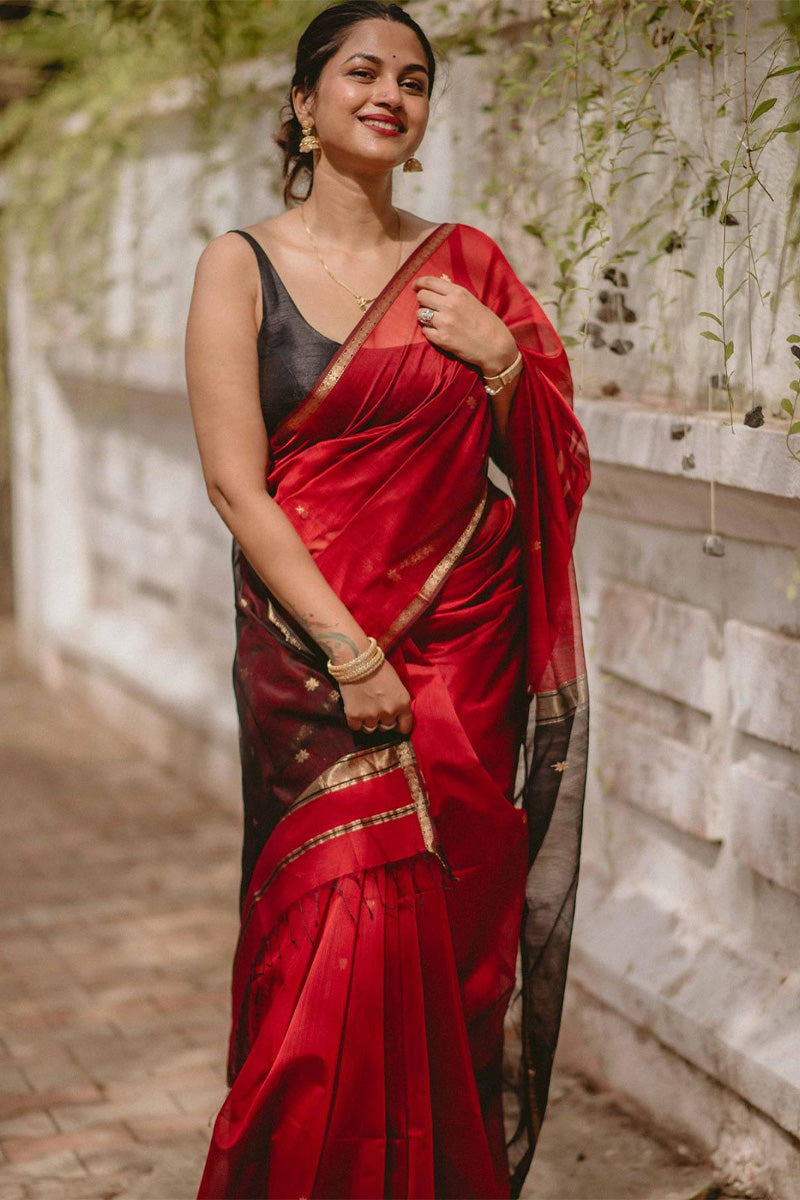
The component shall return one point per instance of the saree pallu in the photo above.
(406, 899)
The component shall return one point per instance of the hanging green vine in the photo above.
(63, 147)
(581, 111)
(581, 102)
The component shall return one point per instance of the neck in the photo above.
(354, 214)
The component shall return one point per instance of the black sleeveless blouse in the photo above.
(291, 353)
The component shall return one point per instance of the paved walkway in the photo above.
(116, 933)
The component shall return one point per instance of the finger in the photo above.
(430, 297)
(433, 283)
(405, 723)
(433, 334)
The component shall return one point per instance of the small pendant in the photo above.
(362, 302)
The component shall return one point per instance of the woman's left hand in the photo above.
(463, 326)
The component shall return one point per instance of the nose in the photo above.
(388, 92)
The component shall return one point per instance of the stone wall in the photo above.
(684, 986)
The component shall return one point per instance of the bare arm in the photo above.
(222, 379)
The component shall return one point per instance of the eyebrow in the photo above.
(376, 59)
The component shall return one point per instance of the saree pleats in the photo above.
(403, 896)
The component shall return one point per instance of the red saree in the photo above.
(405, 896)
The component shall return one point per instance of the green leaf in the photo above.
(720, 274)
(728, 350)
(725, 164)
(763, 107)
(794, 386)
(784, 71)
(794, 427)
(714, 317)
(787, 406)
(712, 337)
(789, 127)
(793, 338)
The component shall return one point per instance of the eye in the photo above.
(416, 86)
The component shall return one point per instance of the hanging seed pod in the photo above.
(755, 416)
(713, 545)
(616, 276)
(620, 346)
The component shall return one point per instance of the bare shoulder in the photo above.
(223, 255)
(416, 227)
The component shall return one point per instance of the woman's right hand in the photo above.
(380, 698)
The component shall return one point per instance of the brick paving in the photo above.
(117, 928)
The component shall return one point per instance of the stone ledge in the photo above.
(169, 671)
(727, 1011)
(746, 1147)
(661, 644)
(765, 827)
(763, 670)
(163, 696)
(660, 775)
(632, 435)
(94, 378)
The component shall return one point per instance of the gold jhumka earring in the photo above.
(413, 164)
(309, 140)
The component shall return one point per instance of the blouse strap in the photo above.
(269, 294)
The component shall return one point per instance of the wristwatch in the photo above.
(504, 377)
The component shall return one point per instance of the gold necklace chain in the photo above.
(361, 301)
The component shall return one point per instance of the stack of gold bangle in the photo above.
(504, 376)
(363, 665)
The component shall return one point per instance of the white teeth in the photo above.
(380, 124)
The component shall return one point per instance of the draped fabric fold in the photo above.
(407, 901)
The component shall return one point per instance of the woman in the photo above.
(408, 673)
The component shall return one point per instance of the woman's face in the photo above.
(379, 71)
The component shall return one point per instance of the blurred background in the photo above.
(638, 164)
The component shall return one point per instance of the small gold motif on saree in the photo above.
(243, 602)
(333, 694)
(301, 755)
(537, 545)
(311, 685)
(394, 575)
(559, 766)
(301, 509)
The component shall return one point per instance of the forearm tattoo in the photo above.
(332, 641)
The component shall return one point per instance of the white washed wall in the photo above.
(685, 981)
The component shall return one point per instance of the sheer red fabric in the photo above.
(406, 899)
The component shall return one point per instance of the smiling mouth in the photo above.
(380, 123)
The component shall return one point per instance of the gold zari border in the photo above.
(351, 768)
(343, 357)
(556, 705)
(319, 839)
(436, 576)
(281, 625)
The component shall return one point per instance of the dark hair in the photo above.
(318, 43)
